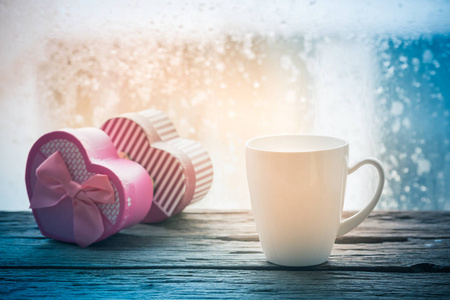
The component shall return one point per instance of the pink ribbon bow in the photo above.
(54, 184)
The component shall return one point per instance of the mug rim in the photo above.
(343, 142)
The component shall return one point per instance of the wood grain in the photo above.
(223, 284)
(218, 255)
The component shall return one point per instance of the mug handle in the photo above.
(350, 223)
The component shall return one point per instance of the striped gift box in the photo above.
(181, 169)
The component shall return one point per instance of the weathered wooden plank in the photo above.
(417, 224)
(387, 241)
(223, 284)
(128, 251)
(218, 255)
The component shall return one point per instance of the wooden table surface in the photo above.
(218, 255)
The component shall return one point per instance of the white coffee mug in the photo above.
(297, 187)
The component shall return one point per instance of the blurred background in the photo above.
(376, 73)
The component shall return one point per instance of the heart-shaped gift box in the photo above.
(181, 168)
(80, 190)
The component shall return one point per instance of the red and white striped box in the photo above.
(181, 169)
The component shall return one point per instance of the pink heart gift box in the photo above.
(80, 190)
(181, 169)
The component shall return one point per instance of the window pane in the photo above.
(374, 73)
